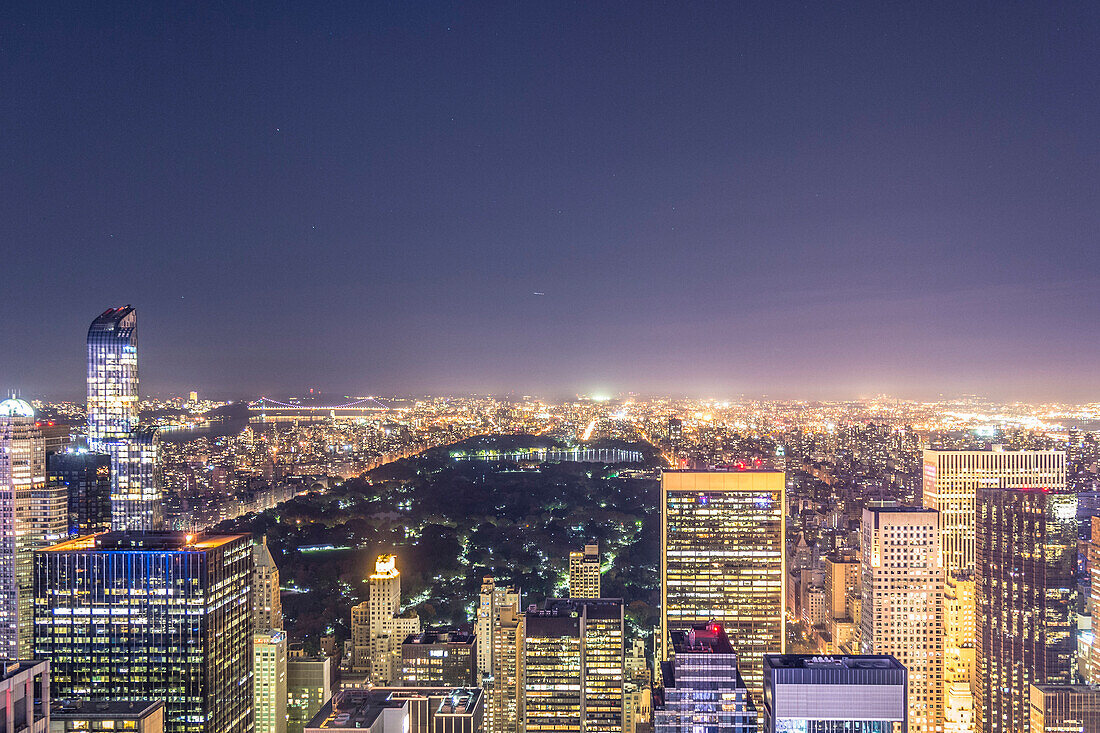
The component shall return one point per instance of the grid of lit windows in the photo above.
(151, 616)
(722, 559)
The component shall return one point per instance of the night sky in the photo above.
(798, 200)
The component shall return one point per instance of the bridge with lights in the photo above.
(268, 410)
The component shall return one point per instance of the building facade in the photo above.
(584, 573)
(113, 428)
(22, 466)
(1064, 708)
(951, 482)
(85, 478)
(269, 680)
(498, 630)
(439, 658)
(703, 691)
(839, 694)
(101, 716)
(902, 609)
(386, 629)
(309, 687)
(722, 560)
(151, 616)
(1025, 589)
(267, 604)
(25, 695)
(573, 666)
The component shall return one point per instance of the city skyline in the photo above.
(801, 201)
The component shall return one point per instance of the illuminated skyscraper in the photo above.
(112, 376)
(32, 516)
(151, 616)
(573, 666)
(704, 692)
(386, 628)
(951, 482)
(1025, 588)
(269, 671)
(113, 422)
(584, 573)
(902, 608)
(267, 604)
(507, 683)
(722, 560)
(499, 634)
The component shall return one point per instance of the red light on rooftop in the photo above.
(714, 628)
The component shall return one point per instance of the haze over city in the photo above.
(798, 200)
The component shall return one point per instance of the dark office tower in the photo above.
(151, 616)
(86, 479)
(1025, 586)
(113, 422)
(704, 692)
(112, 376)
(573, 659)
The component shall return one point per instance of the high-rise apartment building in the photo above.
(492, 600)
(953, 477)
(573, 666)
(703, 691)
(902, 609)
(1025, 589)
(849, 694)
(499, 634)
(1090, 670)
(32, 515)
(584, 573)
(85, 478)
(1064, 708)
(151, 616)
(267, 605)
(439, 658)
(385, 627)
(113, 429)
(722, 560)
(269, 680)
(506, 685)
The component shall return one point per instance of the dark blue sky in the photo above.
(817, 199)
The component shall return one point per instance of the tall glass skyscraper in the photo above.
(151, 616)
(722, 560)
(112, 376)
(113, 421)
(1026, 590)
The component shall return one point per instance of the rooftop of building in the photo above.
(360, 708)
(443, 635)
(111, 317)
(144, 541)
(13, 668)
(836, 661)
(1054, 689)
(701, 639)
(104, 709)
(572, 607)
